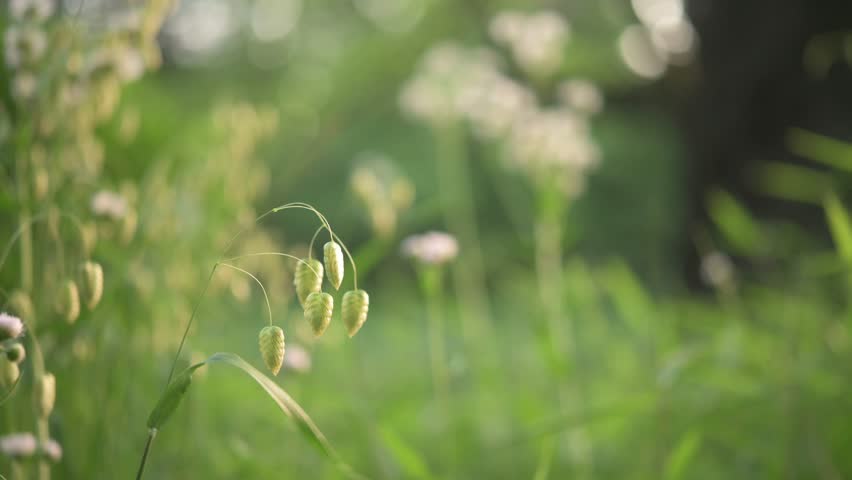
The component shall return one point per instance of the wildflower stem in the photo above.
(430, 284)
(460, 216)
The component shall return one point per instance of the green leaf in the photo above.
(793, 182)
(735, 223)
(819, 148)
(290, 408)
(839, 224)
(406, 457)
(681, 456)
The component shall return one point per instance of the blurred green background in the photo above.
(646, 275)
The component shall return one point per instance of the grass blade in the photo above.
(682, 455)
(839, 225)
(406, 457)
(735, 223)
(290, 408)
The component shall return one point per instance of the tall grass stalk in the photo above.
(460, 215)
(552, 206)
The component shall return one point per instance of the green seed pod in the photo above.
(16, 353)
(89, 237)
(40, 183)
(129, 224)
(306, 281)
(333, 263)
(171, 398)
(93, 283)
(354, 309)
(45, 395)
(22, 305)
(9, 373)
(68, 303)
(318, 309)
(271, 340)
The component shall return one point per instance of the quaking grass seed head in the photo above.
(45, 395)
(318, 309)
(271, 340)
(9, 373)
(16, 353)
(21, 303)
(333, 257)
(306, 281)
(93, 283)
(356, 304)
(68, 303)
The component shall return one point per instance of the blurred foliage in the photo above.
(747, 378)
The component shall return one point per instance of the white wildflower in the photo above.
(23, 45)
(129, 64)
(581, 95)
(536, 40)
(717, 270)
(297, 359)
(493, 102)
(18, 444)
(52, 450)
(552, 138)
(438, 91)
(24, 85)
(433, 248)
(10, 326)
(109, 204)
(38, 10)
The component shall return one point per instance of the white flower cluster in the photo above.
(25, 43)
(35, 10)
(457, 83)
(383, 190)
(438, 92)
(110, 204)
(663, 36)
(536, 40)
(554, 144)
(431, 248)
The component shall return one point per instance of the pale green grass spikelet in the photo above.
(333, 257)
(356, 304)
(306, 281)
(9, 372)
(16, 353)
(45, 395)
(93, 283)
(21, 303)
(318, 309)
(68, 303)
(271, 340)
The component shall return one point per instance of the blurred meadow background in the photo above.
(600, 238)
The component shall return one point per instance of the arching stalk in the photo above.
(265, 296)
